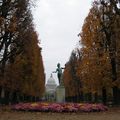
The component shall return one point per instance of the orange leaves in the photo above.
(1, 20)
(23, 65)
(93, 69)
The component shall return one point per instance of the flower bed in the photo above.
(59, 107)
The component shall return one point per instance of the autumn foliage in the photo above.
(95, 68)
(21, 65)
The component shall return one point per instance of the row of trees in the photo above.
(93, 70)
(21, 65)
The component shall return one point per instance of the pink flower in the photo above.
(59, 107)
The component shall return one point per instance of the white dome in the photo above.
(51, 81)
(51, 85)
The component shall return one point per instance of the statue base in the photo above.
(60, 94)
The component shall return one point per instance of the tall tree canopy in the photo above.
(98, 61)
(21, 65)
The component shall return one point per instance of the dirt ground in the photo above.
(111, 114)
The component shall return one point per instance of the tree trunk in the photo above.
(116, 95)
(104, 96)
(2, 95)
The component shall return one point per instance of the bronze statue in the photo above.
(59, 73)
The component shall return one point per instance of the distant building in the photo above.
(50, 89)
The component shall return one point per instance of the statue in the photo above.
(59, 73)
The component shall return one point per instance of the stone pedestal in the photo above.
(60, 94)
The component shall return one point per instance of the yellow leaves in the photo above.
(1, 20)
(116, 83)
(13, 24)
(24, 68)
(94, 68)
(12, 27)
(34, 104)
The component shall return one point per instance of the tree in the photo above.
(110, 13)
(71, 80)
(20, 56)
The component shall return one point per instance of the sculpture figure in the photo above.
(59, 73)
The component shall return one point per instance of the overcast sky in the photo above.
(58, 23)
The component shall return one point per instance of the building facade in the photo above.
(50, 94)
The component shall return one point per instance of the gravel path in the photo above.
(112, 114)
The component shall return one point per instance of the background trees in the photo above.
(71, 80)
(98, 64)
(21, 65)
(110, 15)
